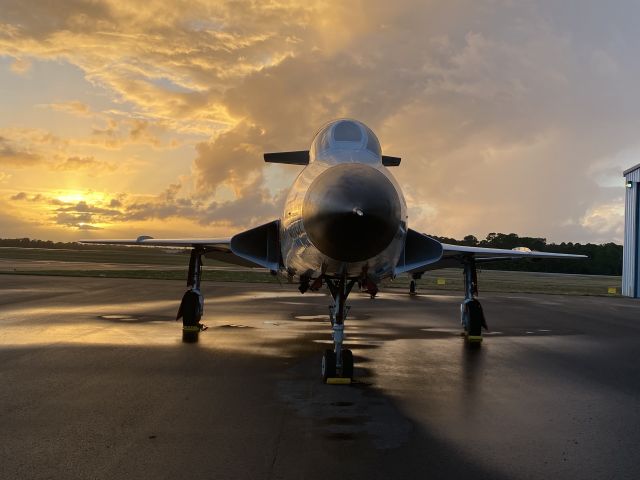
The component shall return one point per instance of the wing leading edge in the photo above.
(455, 255)
(256, 247)
(501, 253)
(220, 244)
(214, 248)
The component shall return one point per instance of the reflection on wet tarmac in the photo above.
(551, 393)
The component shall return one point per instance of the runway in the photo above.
(96, 383)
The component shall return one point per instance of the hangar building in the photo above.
(631, 255)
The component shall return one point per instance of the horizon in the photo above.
(442, 238)
(124, 119)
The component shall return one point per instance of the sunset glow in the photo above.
(127, 118)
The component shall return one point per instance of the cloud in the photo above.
(73, 107)
(82, 214)
(18, 224)
(85, 216)
(27, 157)
(11, 156)
(34, 138)
(73, 219)
(20, 66)
(505, 113)
(85, 163)
(84, 207)
(606, 221)
(179, 56)
(19, 196)
(231, 158)
(253, 205)
(116, 133)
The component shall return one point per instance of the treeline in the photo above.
(604, 259)
(32, 243)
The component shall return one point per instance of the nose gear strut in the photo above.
(192, 304)
(337, 364)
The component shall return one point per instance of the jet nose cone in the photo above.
(351, 212)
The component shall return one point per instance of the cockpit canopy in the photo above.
(346, 141)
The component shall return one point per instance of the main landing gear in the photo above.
(192, 304)
(337, 363)
(472, 316)
(413, 285)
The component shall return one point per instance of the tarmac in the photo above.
(96, 383)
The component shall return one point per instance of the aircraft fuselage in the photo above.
(345, 213)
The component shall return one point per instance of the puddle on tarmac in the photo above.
(125, 318)
(325, 318)
(120, 318)
(322, 318)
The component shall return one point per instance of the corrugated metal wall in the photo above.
(631, 255)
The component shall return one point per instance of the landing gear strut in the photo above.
(337, 364)
(413, 284)
(192, 304)
(472, 316)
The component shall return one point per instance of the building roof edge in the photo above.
(629, 170)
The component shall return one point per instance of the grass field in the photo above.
(149, 256)
(447, 279)
(531, 282)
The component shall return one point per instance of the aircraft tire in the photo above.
(474, 332)
(189, 336)
(347, 364)
(328, 364)
(190, 309)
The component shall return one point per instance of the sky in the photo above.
(124, 118)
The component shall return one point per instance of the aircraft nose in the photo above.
(351, 212)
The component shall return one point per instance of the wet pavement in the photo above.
(97, 384)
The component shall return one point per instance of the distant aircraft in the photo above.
(344, 222)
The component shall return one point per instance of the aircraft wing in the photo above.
(455, 255)
(220, 244)
(256, 247)
(215, 248)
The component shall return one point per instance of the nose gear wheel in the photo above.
(337, 364)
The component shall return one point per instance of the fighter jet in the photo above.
(344, 223)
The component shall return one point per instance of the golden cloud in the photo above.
(82, 163)
(20, 66)
(74, 107)
(493, 105)
(12, 156)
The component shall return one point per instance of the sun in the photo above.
(70, 197)
(77, 196)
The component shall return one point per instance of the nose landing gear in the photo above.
(337, 364)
